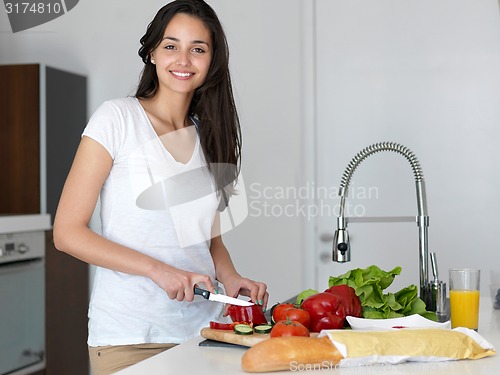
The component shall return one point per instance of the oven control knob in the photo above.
(23, 248)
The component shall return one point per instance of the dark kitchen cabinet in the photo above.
(66, 296)
(43, 112)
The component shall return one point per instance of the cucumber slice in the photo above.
(263, 328)
(243, 329)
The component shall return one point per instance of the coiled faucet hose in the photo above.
(378, 147)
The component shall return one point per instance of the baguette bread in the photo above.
(290, 353)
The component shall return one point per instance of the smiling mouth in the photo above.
(181, 74)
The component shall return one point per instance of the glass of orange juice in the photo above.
(464, 297)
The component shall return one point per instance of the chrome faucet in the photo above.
(341, 246)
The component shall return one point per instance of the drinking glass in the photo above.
(464, 297)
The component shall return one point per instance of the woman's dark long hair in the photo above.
(213, 102)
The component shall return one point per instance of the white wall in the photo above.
(265, 64)
(100, 39)
(425, 74)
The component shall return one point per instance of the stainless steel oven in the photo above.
(22, 302)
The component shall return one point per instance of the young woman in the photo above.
(148, 158)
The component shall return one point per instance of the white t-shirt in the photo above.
(163, 208)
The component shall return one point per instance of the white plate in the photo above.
(412, 321)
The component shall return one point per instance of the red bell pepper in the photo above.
(348, 298)
(328, 310)
(325, 310)
(224, 326)
(250, 314)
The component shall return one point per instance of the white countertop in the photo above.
(189, 358)
(24, 223)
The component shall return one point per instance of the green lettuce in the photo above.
(302, 296)
(369, 284)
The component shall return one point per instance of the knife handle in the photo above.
(201, 292)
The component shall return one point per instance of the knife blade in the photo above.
(221, 298)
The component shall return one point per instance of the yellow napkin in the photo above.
(404, 345)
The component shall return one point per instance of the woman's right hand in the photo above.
(179, 284)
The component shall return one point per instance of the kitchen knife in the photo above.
(221, 298)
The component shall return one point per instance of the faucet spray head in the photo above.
(341, 247)
(341, 251)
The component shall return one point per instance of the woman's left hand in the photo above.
(257, 291)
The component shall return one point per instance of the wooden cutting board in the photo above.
(230, 337)
(233, 338)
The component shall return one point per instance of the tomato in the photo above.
(284, 311)
(289, 328)
(279, 309)
(250, 314)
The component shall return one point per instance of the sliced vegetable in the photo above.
(243, 329)
(251, 314)
(263, 328)
(225, 326)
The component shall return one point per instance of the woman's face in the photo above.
(183, 56)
